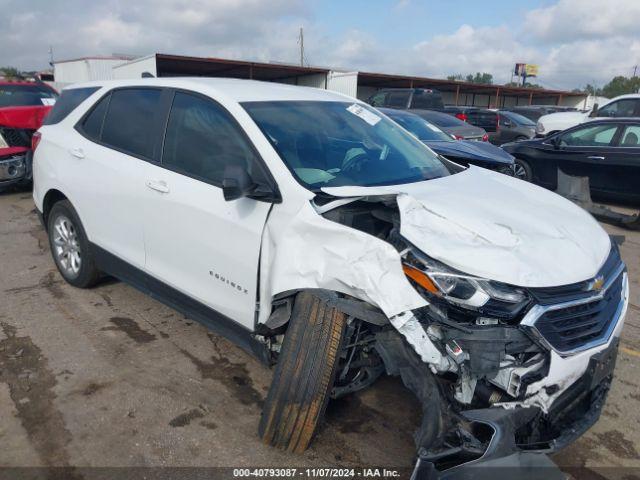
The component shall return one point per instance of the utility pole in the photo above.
(301, 41)
(635, 69)
(50, 55)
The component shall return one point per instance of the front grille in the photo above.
(580, 290)
(16, 137)
(575, 326)
(575, 317)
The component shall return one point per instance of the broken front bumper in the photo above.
(519, 438)
(15, 168)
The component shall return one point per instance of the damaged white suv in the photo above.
(322, 237)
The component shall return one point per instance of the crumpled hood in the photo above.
(23, 117)
(497, 227)
(482, 151)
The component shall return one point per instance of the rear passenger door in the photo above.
(196, 242)
(118, 136)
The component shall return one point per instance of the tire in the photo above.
(523, 170)
(304, 374)
(63, 218)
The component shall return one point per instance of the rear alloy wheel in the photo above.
(70, 247)
(522, 170)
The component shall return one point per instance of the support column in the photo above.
(457, 94)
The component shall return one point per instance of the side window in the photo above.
(67, 103)
(91, 126)
(427, 99)
(631, 136)
(593, 136)
(378, 99)
(128, 125)
(202, 139)
(397, 99)
(621, 108)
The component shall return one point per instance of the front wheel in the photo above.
(70, 247)
(304, 374)
(522, 170)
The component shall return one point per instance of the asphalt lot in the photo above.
(111, 377)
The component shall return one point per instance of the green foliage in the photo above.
(484, 77)
(10, 73)
(617, 86)
(621, 85)
(480, 78)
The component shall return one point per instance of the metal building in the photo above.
(353, 83)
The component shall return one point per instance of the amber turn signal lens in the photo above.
(420, 278)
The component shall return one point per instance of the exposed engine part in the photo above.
(360, 365)
(509, 378)
(409, 326)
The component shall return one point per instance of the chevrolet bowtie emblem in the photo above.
(596, 284)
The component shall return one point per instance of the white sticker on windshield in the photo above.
(369, 117)
(48, 101)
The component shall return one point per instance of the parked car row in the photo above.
(326, 238)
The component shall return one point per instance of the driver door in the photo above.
(587, 151)
(195, 241)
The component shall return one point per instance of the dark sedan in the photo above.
(457, 128)
(464, 152)
(606, 151)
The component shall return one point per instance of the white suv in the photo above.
(323, 237)
(624, 106)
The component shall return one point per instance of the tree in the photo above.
(620, 85)
(477, 78)
(10, 73)
(480, 78)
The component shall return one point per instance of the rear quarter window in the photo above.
(67, 103)
(128, 125)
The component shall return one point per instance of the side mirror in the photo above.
(507, 123)
(594, 112)
(555, 141)
(236, 183)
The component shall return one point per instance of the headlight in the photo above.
(464, 290)
(3, 142)
(539, 127)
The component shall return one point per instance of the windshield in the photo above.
(330, 144)
(26, 95)
(519, 119)
(422, 129)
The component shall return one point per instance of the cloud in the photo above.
(574, 41)
(469, 50)
(575, 20)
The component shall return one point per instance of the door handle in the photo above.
(158, 186)
(595, 157)
(77, 152)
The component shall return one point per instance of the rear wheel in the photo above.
(304, 374)
(70, 247)
(522, 170)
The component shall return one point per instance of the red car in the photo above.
(23, 106)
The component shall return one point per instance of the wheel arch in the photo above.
(52, 197)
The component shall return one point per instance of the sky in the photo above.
(574, 42)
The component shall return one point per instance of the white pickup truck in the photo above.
(622, 106)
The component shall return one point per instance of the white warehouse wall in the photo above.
(135, 68)
(343, 82)
(85, 70)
